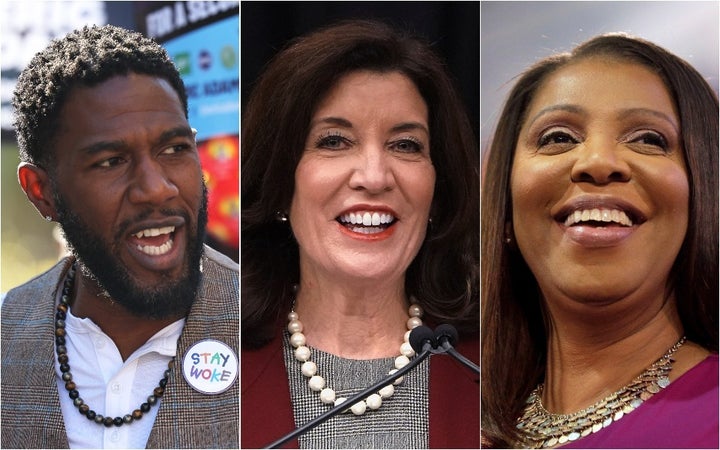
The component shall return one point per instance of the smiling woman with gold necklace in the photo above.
(599, 250)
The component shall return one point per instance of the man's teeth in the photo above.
(598, 215)
(156, 251)
(367, 218)
(150, 232)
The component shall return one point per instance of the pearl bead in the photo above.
(387, 391)
(302, 353)
(399, 380)
(407, 350)
(327, 395)
(309, 368)
(359, 408)
(401, 361)
(295, 326)
(374, 401)
(297, 339)
(316, 383)
(415, 310)
(413, 322)
(342, 400)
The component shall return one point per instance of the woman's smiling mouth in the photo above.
(599, 222)
(599, 217)
(368, 223)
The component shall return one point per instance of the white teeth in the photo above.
(367, 218)
(156, 251)
(150, 232)
(598, 215)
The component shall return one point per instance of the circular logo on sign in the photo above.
(210, 366)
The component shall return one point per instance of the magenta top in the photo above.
(683, 415)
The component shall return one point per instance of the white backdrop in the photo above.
(516, 34)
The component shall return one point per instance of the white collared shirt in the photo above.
(111, 386)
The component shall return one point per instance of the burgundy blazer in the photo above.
(266, 411)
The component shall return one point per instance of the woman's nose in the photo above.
(600, 162)
(373, 170)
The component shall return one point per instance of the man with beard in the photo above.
(132, 341)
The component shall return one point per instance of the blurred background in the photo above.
(451, 28)
(202, 39)
(516, 34)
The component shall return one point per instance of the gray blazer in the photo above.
(31, 414)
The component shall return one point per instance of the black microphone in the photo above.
(447, 336)
(422, 340)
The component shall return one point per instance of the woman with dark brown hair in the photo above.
(359, 222)
(600, 254)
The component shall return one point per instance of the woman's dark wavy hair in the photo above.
(85, 57)
(444, 275)
(513, 328)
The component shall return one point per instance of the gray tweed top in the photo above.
(401, 421)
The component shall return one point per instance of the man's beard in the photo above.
(98, 260)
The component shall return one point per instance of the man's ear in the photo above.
(35, 181)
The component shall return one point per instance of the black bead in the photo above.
(74, 394)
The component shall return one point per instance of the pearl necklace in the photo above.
(63, 360)
(317, 382)
(543, 429)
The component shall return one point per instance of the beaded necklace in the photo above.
(317, 383)
(543, 429)
(70, 385)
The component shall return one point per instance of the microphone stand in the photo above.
(354, 399)
(450, 350)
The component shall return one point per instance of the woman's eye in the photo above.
(651, 138)
(332, 142)
(407, 146)
(556, 137)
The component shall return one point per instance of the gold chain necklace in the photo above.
(542, 429)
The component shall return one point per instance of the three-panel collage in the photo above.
(359, 225)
